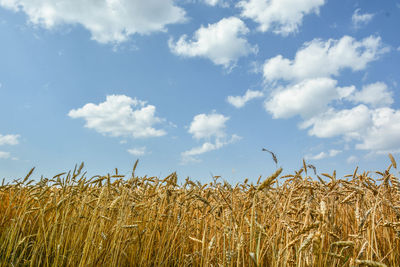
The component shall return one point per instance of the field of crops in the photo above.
(302, 219)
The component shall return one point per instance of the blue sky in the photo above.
(198, 86)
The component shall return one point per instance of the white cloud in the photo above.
(375, 94)
(352, 159)
(208, 125)
(208, 146)
(310, 98)
(376, 130)
(216, 2)
(5, 155)
(281, 16)
(323, 59)
(359, 19)
(120, 115)
(9, 139)
(322, 155)
(332, 123)
(305, 86)
(306, 98)
(109, 21)
(383, 134)
(139, 151)
(318, 156)
(211, 128)
(334, 152)
(240, 101)
(212, 2)
(222, 42)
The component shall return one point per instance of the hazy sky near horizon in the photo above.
(198, 86)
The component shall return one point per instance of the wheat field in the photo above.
(282, 220)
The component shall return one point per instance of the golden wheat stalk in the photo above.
(270, 180)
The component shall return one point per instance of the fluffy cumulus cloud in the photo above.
(307, 86)
(9, 139)
(120, 115)
(240, 101)
(211, 129)
(208, 146)
(347, 122)
(382, 135)
(109, 21)
(208, 125)
(359, 19)
(376, 94)
(373, 129)
(138, 151)
(211, 2)
(280, 16)
(352, 159)
(216, 2)
(222, 42)
(5, 155)
(322, 155)
(320, 58)
(306, 98)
